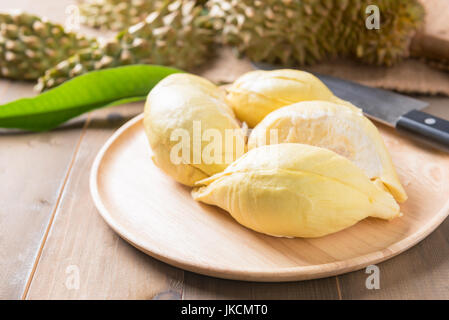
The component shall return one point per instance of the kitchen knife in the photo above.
(390, 108)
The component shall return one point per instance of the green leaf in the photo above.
(87, 92)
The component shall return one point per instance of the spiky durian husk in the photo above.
(178, 35)
(29, 45)
(118, 14)
(305, 32)
(400, 19)
(115, 14)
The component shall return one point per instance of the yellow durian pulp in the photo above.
(257, 93)
(334, 127)
(179, 102)
(327, 168)
(296, 190)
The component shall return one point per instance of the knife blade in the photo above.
(382, 105)
(396, 110)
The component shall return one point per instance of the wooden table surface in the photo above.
(51, 235)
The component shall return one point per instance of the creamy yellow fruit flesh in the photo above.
(257, 93)
(327, 168)
(296, 190)
(173, 108)
(334, 127)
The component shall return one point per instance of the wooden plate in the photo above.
(159, 217)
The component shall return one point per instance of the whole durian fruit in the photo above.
(334, 127)
(115, 14)
(296, 190)
(192, 131)
(177, 34)
(29, 45)
(257, 93)
(293, 32)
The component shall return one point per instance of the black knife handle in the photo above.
(426, 128)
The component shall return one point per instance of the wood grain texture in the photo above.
(32, 172)
(419, 273)
(81, 243)
(158, 216)
(202, 287)
(33, 169)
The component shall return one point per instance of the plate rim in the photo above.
(283, 275)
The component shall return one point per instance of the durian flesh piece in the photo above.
(296, 190)
(257, 93)
(334, 127)
(187, 113)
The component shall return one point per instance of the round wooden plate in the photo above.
(159, 217)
